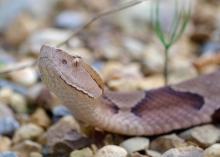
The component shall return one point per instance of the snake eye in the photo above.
(64, 61)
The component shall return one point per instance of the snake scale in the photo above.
(152, 112)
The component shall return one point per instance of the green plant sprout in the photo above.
(180, 20)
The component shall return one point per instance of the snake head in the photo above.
(71, 69)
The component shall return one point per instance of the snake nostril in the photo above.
(64, 61)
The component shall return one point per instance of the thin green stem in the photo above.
(166, 61)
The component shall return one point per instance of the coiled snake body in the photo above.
(152, 112)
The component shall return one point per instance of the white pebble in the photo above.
(111, 151)
(135, 144)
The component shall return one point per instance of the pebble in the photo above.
(128, 19)
(26, 77)
(39, 10)
(166, 142)
(135, 144)
(134, 47)
(8, 124)
(123, 85)
(34, 91)
(59, 112)
(40, 118)
(212, 151)
(35, 154)
(5, 143)
(70, 20)
(8, 154)
(6, 58)
(111, 52)
(203, 136)
(38, 38)
(138, 155)
(151, 82)
(184, 152)
(111, 70)
(18, 102)
(152, 153)
(210, 48)
(6, 94)
(25, 148)
(46, 99)
(85, 152)
(26, 132)
(115, 70)
(65, 136)
(14, 87)
(203, 23)
(152, 60)
(111, 151)
(26, 25)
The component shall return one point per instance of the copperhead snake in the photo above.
(151, 112)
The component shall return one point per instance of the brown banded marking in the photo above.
(168, 98)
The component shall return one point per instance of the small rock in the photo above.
(135, 144)
(123, 85)
(111, 70)
(138, 155)
(27, 131)
(110, 51)
(212, 151)
(204, 23)
(203, 136)
(26, 77)
(14, 87)
(5, 95)
(59, 112)
(134, 47)
(20, 29)
(210, 48)
(8, 124)
(18, 103)
(5, 143)
(98, 65)
(152, 60)
(40, 118)
(207, 63)
(35, 154)
(34, 91)
(152, 153)
(25, 148)
(151, 82)
(163, 143)
(38, 38)
(70, 20)
(46, 99)
(65, 136)
(8, 154)
(86, 152)
(184, 152)
(111, 151)
(5, 111)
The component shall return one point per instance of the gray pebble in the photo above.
(70, 19)
(8, 125)
(59, 112)
(8, 154)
